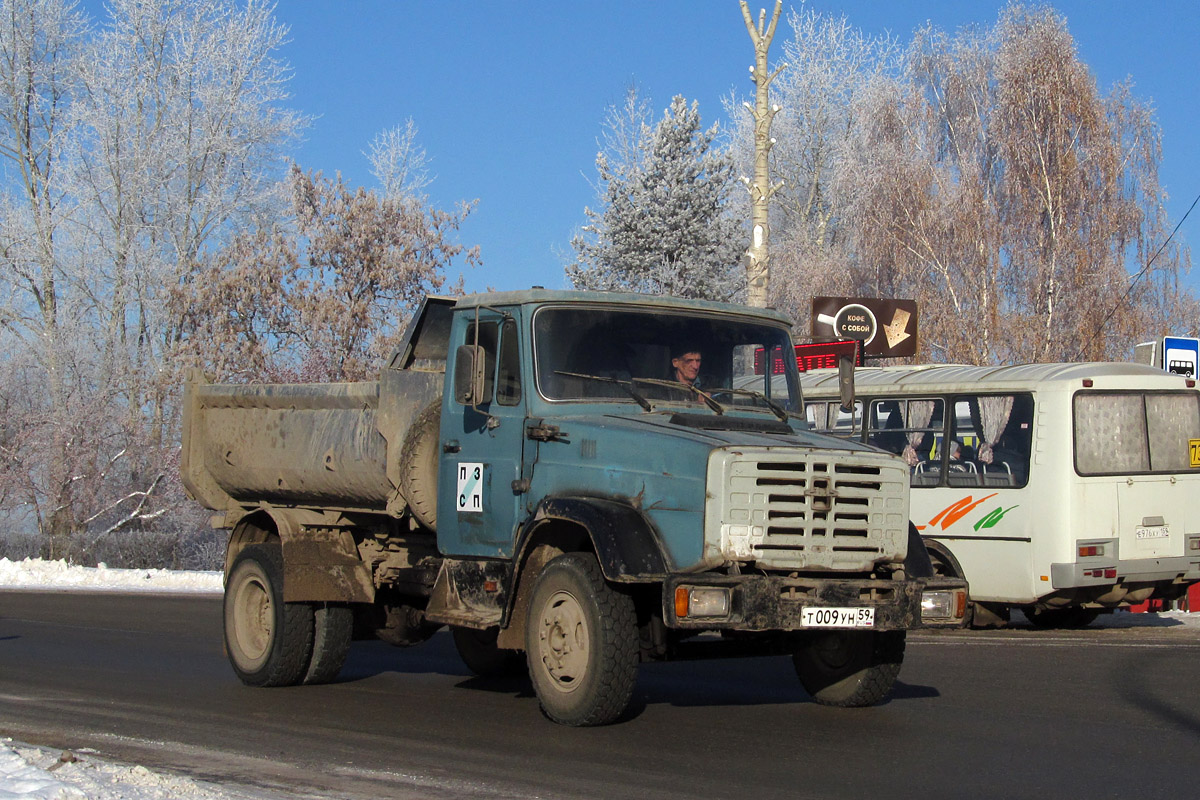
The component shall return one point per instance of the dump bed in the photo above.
(299, 444)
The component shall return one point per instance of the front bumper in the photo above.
(776, 603)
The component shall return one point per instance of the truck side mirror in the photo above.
(846, 383)
(470, 375)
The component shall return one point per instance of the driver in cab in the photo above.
(685, 367)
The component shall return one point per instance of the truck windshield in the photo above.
(601, 354)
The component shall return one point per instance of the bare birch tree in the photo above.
(991, 180)
(399, 162)
(39, 42)
(143, 142)
(325, 297)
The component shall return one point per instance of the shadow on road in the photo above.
(739, 681)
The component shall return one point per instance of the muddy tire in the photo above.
(333, 629)
(479, 652)
(581, 643)
(850, 669)
(269, 642)
(419, 465)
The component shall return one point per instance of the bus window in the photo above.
(845, 423)
(815, 412)
(1134, 432)
(989, 444)
(913, 429)
(887, 426)
(829, 418)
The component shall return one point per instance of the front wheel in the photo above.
(581, 643)
(269, 642)
(850, 668)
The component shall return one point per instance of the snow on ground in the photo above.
(33, 573)
(34, 773)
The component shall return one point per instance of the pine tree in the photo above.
(663, 226)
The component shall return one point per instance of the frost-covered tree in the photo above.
(662, 226)
(830, 65)
(134, 146)
(40, 42)
(399, 163)
(982, 173)
(323, 296)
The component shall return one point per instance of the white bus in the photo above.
(1064, 490)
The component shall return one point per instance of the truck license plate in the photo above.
(837, 617)
(1152, 532)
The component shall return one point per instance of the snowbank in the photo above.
(33, 573)
(35, 773)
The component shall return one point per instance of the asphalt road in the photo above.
(1005, 714)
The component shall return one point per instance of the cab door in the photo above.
(483, 446)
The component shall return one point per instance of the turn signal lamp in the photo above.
(701, 601)
(1088, 550)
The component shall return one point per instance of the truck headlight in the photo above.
(943, 604)
(701, 601)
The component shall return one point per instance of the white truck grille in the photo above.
(805, 510)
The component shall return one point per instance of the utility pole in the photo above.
(757, 256)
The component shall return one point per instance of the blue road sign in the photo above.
(1181, 355)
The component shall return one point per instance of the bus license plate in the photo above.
(1152, 532)
(837, 617)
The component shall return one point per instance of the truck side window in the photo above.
(508, 377)
(488, 334)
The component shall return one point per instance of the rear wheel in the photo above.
(333, 628)
(581, 643)
(850, 668)
(269, 642)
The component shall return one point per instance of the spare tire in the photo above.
(419, 465)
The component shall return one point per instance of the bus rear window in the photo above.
(1117, 433)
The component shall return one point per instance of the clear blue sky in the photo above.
(509, 97)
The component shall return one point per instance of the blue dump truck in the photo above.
(532, 470)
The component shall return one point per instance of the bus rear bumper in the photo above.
(1073, 575)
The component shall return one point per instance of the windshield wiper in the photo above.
(627, 385)
(708, 400)
(776, 409)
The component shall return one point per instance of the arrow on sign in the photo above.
(895, 330)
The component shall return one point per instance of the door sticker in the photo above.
(470, 487)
